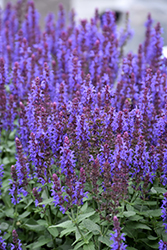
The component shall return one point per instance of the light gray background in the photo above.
(138, 10)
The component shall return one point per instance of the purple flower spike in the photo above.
(37, 196)
(15, 190)
(57, 193)
(17, 243)
(117, 238)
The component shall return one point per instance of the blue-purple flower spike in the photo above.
(117, 238)
(16, 242)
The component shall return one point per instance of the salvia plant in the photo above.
(83, 146)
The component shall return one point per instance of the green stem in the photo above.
(76, 224)
(15, 217)
(106, 230)
(49, 219)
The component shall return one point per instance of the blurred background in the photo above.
(138, 10)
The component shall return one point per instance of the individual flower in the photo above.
(162, 245)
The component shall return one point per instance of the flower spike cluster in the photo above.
(86, 115)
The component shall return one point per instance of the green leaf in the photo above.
(153, 190)
(42, 223)
(12, 135)
(11, 143)
(33, 225)
(6, 236)
(81, 217)
(89, 246)
(129, 213)
(141, 226)
(153, 245)
(5, 161)
(77, 235)
(84, 207)
(131, 248)
(40, 242)
(160, 190)
(53, 231)
(105, 240)
(91, 226)
(129, 207)
(64, 224)
(136, 217)
(1, 215)
(67, 231)
(47, 201)
(150, 237)
(150, 203)
(24, 215)
(36, 228)
(78, 245)
(29, 203)
(4, 226)
(152, 213)
(9, 212)
(164, 235)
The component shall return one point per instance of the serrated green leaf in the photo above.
(129, 213)
(53, 231)
(105, 240)
(89, 246)
(91, 226)
(81, 217)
